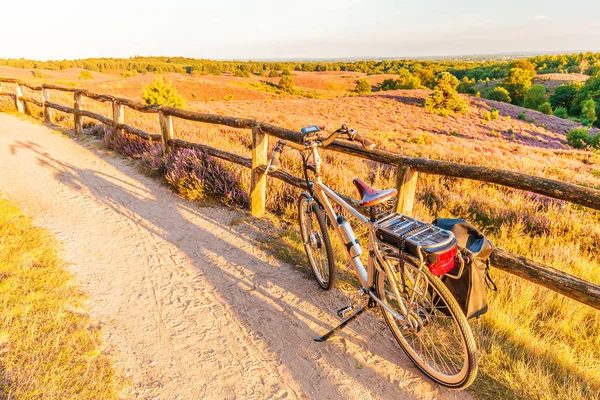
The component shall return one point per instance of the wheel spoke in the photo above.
(316, 240)
(434, 339)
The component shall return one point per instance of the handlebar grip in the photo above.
(366, 143)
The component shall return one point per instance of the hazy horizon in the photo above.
(311, 30)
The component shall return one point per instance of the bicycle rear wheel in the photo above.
(436, 336)
(315, 237)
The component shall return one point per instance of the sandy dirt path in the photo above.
(190, 305)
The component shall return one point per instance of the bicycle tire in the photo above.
(468, 372)
(316, 237)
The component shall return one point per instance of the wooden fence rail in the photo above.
(407, 170)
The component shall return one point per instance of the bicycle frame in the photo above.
(325, 196)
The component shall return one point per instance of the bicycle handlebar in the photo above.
(352, 135)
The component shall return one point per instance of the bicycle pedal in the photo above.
(344, 312)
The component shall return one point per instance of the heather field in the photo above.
(534, 343)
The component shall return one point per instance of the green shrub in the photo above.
(466, 86)
(594, 141)
(494, 114)
(274, 73)
(388, 84)
(241, 74)
(85, 74)
(490, 115)
(445, 99)
(162, 93)
(129, 73)
(588, 111)
(286, 83)
(499, 94)
(522, 116)
(422, 138)
(363, 86)
(560, 112)
(578, 137)
(39, 74)
(535, 97)
(545, 108)
(405, 80)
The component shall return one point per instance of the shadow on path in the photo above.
(276, 306)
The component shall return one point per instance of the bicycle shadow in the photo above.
(281, 308)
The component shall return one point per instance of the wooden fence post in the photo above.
(258, 183)
(20, 104)
(47, 111)
(118, 118)
(76, 115)
(406, 184)
(166, 129)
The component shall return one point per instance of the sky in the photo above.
(307, 29)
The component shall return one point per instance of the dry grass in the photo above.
(49, 348)
(534, 343)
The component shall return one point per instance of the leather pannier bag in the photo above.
(469, 289)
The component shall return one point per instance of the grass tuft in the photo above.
(49, 347)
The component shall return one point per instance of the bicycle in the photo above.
(405, 261)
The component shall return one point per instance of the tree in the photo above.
(425, 75)
(564, 94)
(583, 66)
(445, 99)
(590, 90)
(524, 65)
(535, 97)
(363, 86)
(499, 94)
(162, 93)
(518, 82)
(588, 111)
(405, 80)
(466, 86)
(286, 83)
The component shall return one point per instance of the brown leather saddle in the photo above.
(371, 196)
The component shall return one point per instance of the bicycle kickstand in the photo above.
(343, 324)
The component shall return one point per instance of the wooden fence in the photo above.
(407, 170)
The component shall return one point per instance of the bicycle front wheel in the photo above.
(436, 335)
(315, 237)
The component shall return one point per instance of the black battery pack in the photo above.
(431, 239)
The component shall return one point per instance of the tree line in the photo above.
(425, 70)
